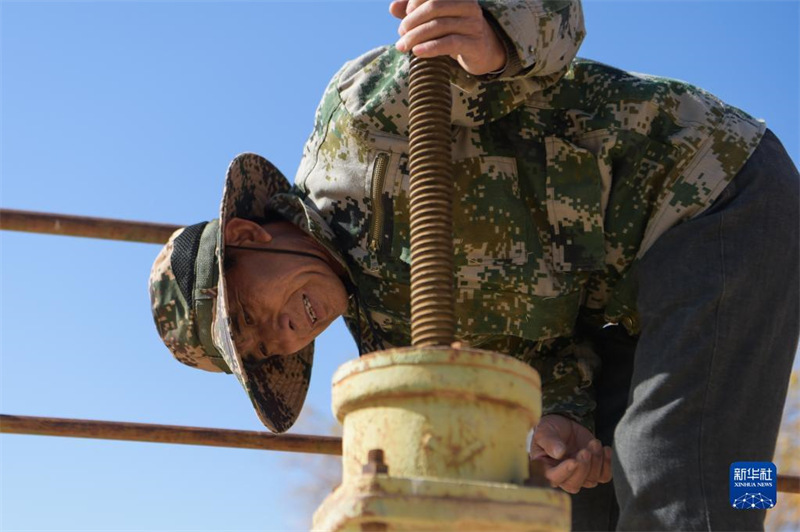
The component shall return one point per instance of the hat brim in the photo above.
(277, 385)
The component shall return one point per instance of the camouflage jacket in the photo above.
(566, 171)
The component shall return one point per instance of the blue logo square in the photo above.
(753, 485)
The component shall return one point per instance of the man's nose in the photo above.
(286, 339)
(289, 323)
(285, 323)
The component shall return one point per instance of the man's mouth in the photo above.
(309, 310)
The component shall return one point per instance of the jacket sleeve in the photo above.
(329, 141)
(567, 367)
(541, 37)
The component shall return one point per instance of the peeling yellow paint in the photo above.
(452, 425)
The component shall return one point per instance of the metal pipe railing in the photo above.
(241, 439)
(131, 231)
(145, 432)
(85, 226)
(789, 483)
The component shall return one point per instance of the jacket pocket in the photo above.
(574, 207)
(485, 311)
(491, 219)
(379, 199)
(387, 195)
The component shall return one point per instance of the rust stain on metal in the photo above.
(412, 504)
(455, 451)
(789, 483)
(431, 191)
(116, 430)
(85, 226)
(399, 357)
(465, 396)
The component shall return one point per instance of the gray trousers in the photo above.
(705, 382)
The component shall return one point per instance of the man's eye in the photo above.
(234, 323)
(247, 319)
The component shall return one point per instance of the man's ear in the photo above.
(241, 232)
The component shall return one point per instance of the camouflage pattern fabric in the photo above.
(176, 317)
(566, 172)
(192, 311)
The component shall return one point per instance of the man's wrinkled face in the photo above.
(279, 302)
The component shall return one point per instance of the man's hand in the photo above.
(449, 27)
(573, 458)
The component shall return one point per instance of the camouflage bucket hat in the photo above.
(190, 307)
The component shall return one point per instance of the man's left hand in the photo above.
(449, 27)
(573, 458)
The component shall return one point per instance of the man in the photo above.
(611, 230)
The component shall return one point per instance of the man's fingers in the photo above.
(412, 5)
(430, 32)
(596, 450)
(398, 8)
(558, 474)
(549, 443)
(575, 481)
(605, 475)
(455, 28)
(452, 45)
(549, 463)
(434, 9)
(601, 466)
(604, 467)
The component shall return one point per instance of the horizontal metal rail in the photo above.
(85, 226)
(789, 483)
(243, 439)
(116, 430)
(156, 233)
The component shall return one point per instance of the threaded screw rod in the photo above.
(431, 203)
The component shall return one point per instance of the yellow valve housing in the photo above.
(438, 412)
(435, 438)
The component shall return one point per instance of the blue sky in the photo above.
(133, 110)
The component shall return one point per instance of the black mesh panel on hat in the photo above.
(184, 253)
